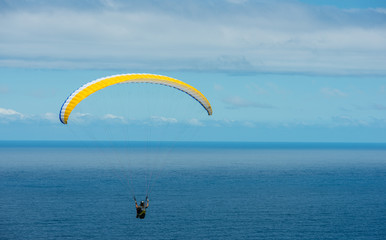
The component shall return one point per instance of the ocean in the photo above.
(84, 190)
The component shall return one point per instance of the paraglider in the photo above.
(141, 208)
(91, 87)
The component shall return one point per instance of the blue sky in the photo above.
(272, 70)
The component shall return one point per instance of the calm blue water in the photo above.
(198, 191)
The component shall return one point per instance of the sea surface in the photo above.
(84, 190)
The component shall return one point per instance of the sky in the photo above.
(273, 71)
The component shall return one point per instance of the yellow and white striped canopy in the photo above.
(89, 88)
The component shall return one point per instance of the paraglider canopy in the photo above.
(89, 88)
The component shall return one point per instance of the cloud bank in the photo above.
(256, 36)
(7, 115)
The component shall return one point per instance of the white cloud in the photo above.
(80, 118)
(113, 117)
(249, 124)
(345, 120)
(10, 112)
(380, 10)
(333, 92)
(10, 115)
(7, 115)
(328, 122)
(269, 36)
(163, 120)
(196, 122)
(52, 117)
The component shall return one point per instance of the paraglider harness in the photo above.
(141, 213)
(141, 209)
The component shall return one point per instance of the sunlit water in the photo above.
(199, 191)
